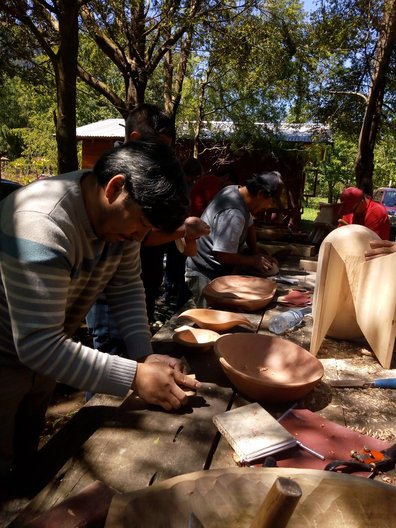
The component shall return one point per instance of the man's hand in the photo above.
(158, 383)
(195, 228)
(175, 363)
(263, 262)
(380, 248)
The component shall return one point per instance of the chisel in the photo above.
(383, 383)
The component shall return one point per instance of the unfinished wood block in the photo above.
(352, 296)
(308, 265)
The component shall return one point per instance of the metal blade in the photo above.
(381, 383)
(347, 383)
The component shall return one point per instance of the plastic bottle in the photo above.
(281, 323)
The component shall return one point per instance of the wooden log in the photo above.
(278, 505)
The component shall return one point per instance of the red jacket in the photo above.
(203, 191)
(375, 217)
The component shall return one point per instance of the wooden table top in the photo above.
(129, 445)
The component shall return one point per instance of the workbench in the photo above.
(129, 445)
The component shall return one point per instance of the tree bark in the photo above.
(65, 67)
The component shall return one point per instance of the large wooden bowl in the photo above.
(232, 497)
(239, 292)
(267, 368)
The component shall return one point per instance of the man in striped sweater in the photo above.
(63, 241)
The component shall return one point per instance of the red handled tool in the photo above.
(366, 460)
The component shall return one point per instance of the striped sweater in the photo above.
(53, 268)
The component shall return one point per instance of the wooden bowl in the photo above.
(267, 368)
(216, 320)
(195, 337)
(239, 292)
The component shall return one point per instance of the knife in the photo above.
(383, 383)
(286, 280)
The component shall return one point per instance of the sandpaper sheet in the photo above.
(330, 439)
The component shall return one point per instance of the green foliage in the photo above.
(343, 37)
(11, 143)
(250, 62)
(338, 168)
(27, 136)
(385, 160)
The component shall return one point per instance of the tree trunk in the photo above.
(65, 67)
(364, 163)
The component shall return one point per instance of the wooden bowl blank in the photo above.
(217, 320)
(239, 292)
(195, 337)
(226, 497)
(350, 242)
(267, 368)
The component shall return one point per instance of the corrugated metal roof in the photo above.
(291, 132)
(107, 128)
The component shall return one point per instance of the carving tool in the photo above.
(382, 383)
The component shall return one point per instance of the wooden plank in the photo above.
(135, 445)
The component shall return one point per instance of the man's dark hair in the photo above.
(153, 178)
(192, 167)
(269, 183)
(228, 173)
(150, 121)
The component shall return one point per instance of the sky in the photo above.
(309, 5)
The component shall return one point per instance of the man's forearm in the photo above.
(156, 237)
(234, 259)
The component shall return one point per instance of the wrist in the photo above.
(181, 231)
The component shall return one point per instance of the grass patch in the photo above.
(311, 210)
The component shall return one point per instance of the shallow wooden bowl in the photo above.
(217, 320)
(239, 292)
(267, 368)
(195, 337)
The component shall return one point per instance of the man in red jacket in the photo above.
(207, 186)
(358, 208)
